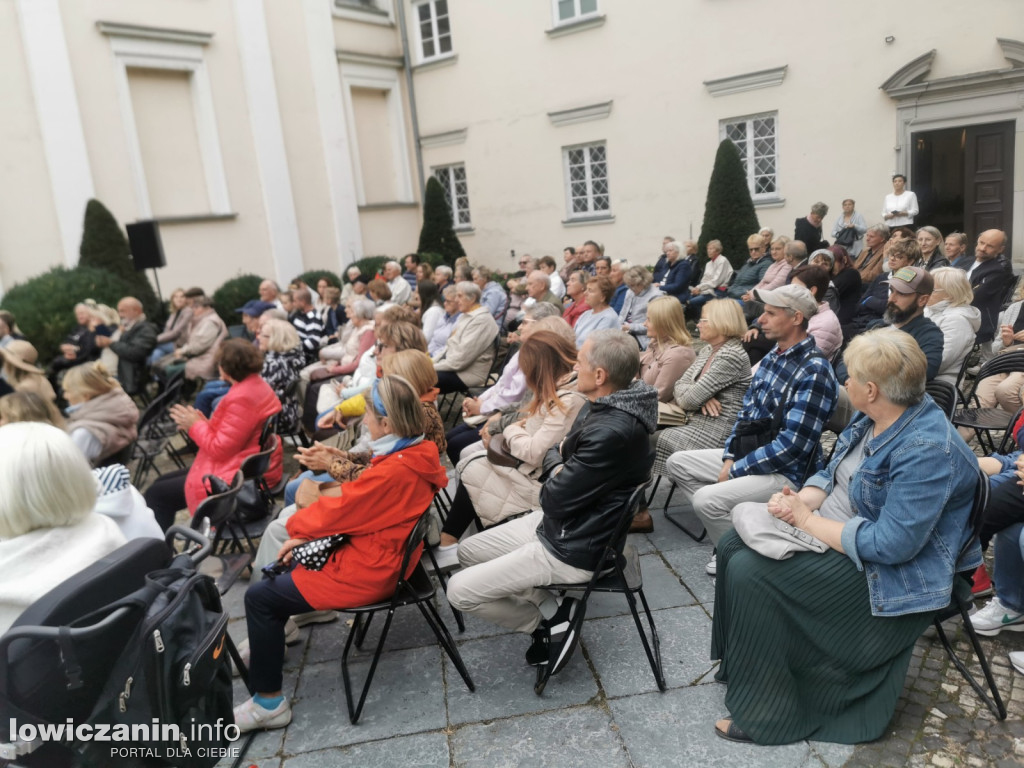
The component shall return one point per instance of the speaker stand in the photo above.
(156, 277)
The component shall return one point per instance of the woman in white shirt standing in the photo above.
(900, 207)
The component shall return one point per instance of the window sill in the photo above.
(436, 63)
(195, 218)
(576, 25)
(464, 230)
(397, 204)
(584, 221)
(770, 202)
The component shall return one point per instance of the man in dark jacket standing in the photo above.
(589, 478)
(132, 345)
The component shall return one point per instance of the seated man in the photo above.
(132, 343)
(589, 478)
(796, 389)
(752, 271)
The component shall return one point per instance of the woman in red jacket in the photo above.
(377, 511)
(225, 439)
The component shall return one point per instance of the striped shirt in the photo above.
(810, 401)
(311, 329)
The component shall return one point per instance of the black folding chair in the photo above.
(213, 517)
(985, 421)
(618, 571)
(155, 430)
(674, 519)
(416, 590)
(945, 396)
(961, 602)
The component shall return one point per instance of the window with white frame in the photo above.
(756, 138)
(456, 190)
(434, 29)
(586, 180)
(570, 10)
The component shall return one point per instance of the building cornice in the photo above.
(447, 138)
(750, 81)
(585, 114)
(116, 29)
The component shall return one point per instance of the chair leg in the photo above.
(544, 671)
(652, 648)
(443, 580)
(444, 637)
(995, 702)
(354, 711)
(684, 529)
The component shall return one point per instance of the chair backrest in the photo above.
(1008, 362)
(269, 428)
(617, 541)
(945, 396)
(970, 360)
(416, 537)
(218, 507)
(159, 405)
(981, 492)
(257, 464)
(1011, 290)
(1007, 443)
(32, 675)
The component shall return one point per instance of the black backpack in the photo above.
(175, 671)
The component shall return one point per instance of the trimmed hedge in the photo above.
(233, 294)
(371, 265)
(437, 234)
(729, 214)
(312, 277)
(44, 306)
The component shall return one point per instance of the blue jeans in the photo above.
(293, 485)
(210, 396)
(268, 604)
(161, 351)
(1008, 573)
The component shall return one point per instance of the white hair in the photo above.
(470, 290)
(45, 480)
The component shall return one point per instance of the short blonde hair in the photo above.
(29, 406)
(402, 403)
(726, 316)
(955, 284)
(281, 334)
(753, 240)
(412, 365)
(88, 380)
(666, 316)
(33, 457)
(892, 360)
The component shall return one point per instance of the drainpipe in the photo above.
(413, 114)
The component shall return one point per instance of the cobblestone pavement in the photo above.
(604, 709)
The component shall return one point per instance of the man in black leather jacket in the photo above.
(588, 479)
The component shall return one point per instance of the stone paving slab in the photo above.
(424, 750)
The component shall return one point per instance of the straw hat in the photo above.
(21, 354)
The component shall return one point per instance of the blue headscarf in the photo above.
(387, 444)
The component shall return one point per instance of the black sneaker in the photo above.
(563, 633)
(537, 653)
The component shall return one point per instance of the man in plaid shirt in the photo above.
(714, 482)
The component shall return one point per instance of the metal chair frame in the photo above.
(985, 421)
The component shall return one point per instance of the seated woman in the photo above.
(79, 346)
(633, 314)
(445, 324)
(377, 512)
(343, 357)
(493, 492)
(19, 370)
(225, 439)
(509, 390)
(283, 358)
(326, 463)
(28, 406)
(671, 349)
(466, 358)
(817, 646)
(48, 530)
(175, 328)
(600, 315)
(949, 307)
(847, 281)
(102, 418)
(776, 275)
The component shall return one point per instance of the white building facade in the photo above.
(273, 137)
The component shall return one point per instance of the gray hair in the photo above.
(941, 245)
(448, 291)
(274, 314)
(542, 309)
(675, 245)
(444, 270)
(302, 294)
(820, 209)
(716, 243)
(364, 309)
(202, 301)
(541, 276)
(622, 264)
(635, 276)
(892, 360)
(393, 265)
(616, 353)
(880, 229)
(795, 249)
(470, 290)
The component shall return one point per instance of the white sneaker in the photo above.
(313, 617)
(1017, 660)
(712, 566)
(250, 716)
(995, 617)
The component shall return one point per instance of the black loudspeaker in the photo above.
(147, 250)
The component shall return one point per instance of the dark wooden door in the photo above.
(988, 160)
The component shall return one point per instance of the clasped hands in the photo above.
(789, 507)
(319, 457)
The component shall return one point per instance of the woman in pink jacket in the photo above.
(225, 439)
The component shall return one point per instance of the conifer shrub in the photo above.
(438, 234)
(729, 214)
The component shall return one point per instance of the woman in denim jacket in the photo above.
(817, 646)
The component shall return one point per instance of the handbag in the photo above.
(310, 491)
(314, 554)
(497, 452)
(847, 237)
(250, 504)
(768, 535)
(670, 414)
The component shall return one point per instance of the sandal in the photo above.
(732, 732)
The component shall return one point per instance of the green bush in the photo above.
(433, 259)
(312, 277)
(438, 234)
(44, 306)
(105, 247)
(371, 265)
(729, 213)
(233, 294)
